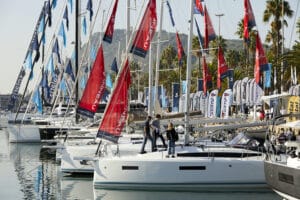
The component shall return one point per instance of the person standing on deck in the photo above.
(171, 135)
(155, 125)
(147, 135)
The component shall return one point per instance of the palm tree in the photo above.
(219, 41)
(275, 12)
(298, 27)
(292, 57)
(249, 50)
(170, 66)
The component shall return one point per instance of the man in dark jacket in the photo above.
(147, 135)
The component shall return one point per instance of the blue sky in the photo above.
(18, 18)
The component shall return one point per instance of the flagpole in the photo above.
(150, 82)
(77, 50)
(157, 58)
(188, 74)
(282, 49)
(219, 16)
(128, 22)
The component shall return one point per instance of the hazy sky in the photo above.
(18, 19)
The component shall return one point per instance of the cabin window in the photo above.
(192, 167)
(130, 168)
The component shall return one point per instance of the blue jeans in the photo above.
(171, 147)
(146, 137)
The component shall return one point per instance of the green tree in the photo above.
(274, 12)
(135, 79)
(298, 27)
(171, 71)
(249, 50)
(292, 57)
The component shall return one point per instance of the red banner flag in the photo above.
(249, 20)
(209, 29)
(199, 7)
(94, 88)
(116, 111)
(222, 67)
(261, 63)
(180, 51)
(146, 31)
(110, 27)
(207, 79)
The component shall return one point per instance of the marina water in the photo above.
(28, 172)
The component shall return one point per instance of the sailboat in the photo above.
(44, 127)
(193, 167)
(79, 159)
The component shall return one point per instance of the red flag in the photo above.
(209, 29)
(116, 111)
(146, 31)
(180, 51)
(246, 19)
(199, 7)
(110, 27)
(261, 63)
(249, 20)
(207, 79)
(222, 67)
(94, 88)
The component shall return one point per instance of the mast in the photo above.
(128, 22)
(156, 97)
(150, 107)
(77, 50)
(127, 40)
(188, 74)
(282, 48)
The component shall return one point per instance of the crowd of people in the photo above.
(288, 135)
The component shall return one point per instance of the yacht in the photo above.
(283, 171)
(283, 175)
(192, 167)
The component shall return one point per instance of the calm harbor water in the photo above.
(29, 173)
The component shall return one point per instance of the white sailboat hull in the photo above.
(23, 133)
(80, 159)
(155, 171)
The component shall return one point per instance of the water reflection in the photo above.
(35, 169)
(77, 188)
(39, 177)
(34, 174)
(101, 194)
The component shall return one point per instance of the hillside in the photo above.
(167, 38)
